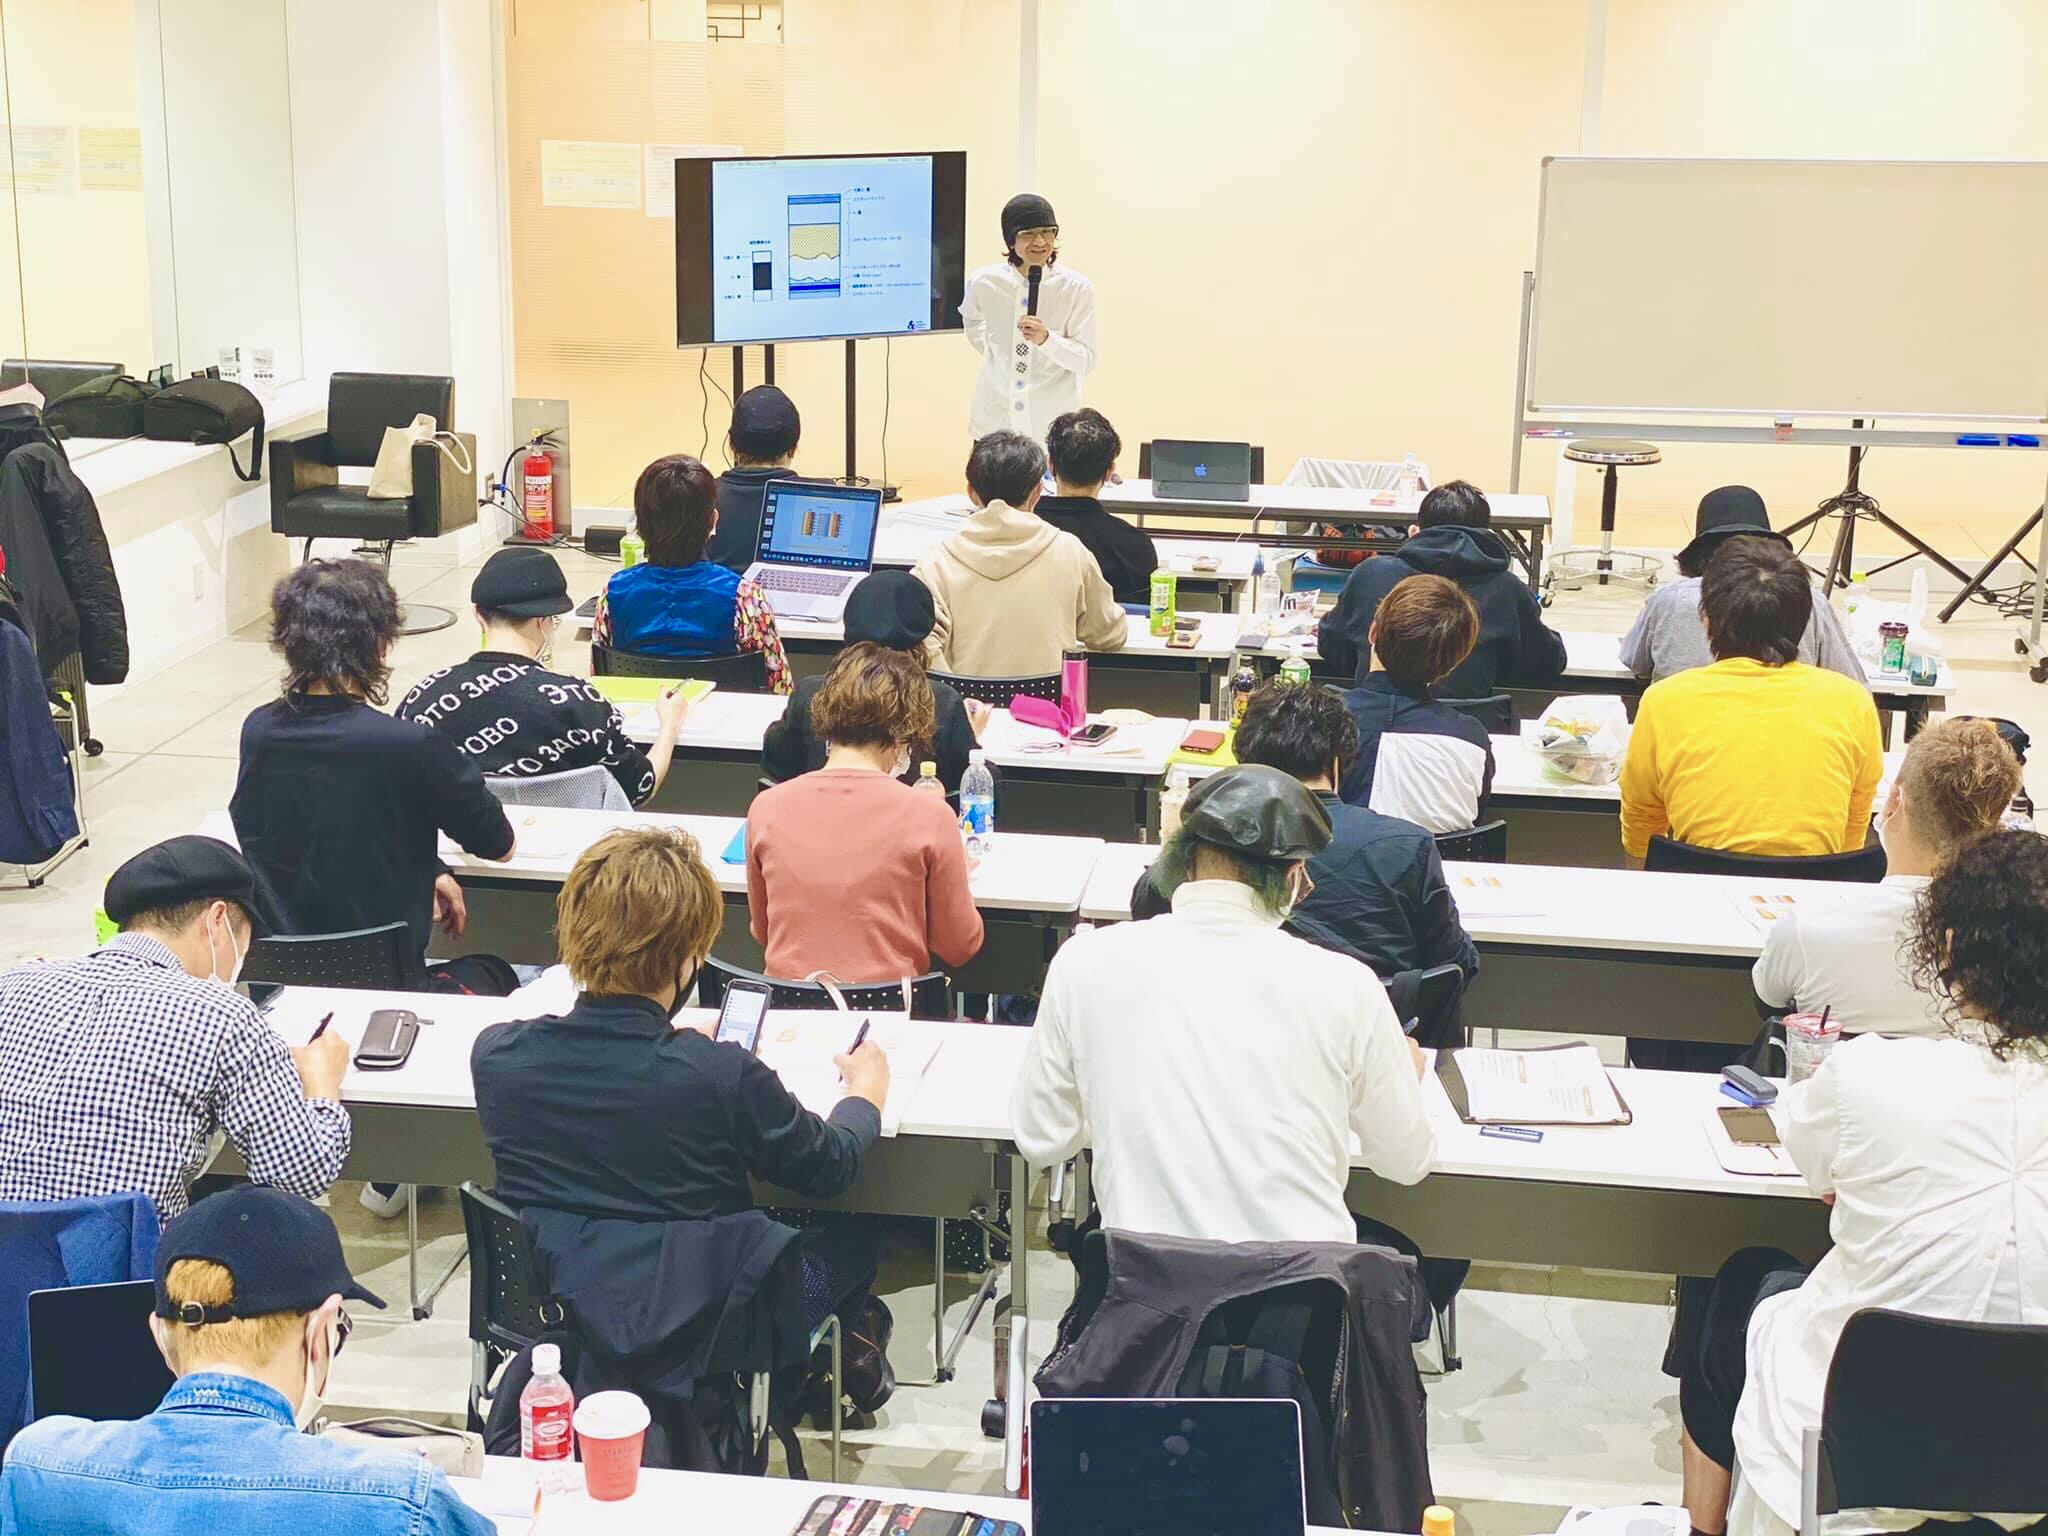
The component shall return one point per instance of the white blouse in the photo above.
(1022, 387)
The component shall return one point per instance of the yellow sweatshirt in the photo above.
(1752, 759)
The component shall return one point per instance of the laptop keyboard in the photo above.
(782, 578)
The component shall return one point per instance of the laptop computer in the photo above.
(1202, 471)
(90, 1353)
(1206, 1466)
(817, 541)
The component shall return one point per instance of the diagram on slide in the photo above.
(814, 246)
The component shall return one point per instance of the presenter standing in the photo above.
(1033, 323)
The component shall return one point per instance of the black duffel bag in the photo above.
(207, 411)
(108, 406)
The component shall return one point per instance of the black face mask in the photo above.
(683, 992)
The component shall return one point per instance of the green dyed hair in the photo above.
(1176, 864)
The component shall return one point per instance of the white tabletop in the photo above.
(1519, 770)
(1599, 655)
(965, 1094)
(908, 530)
(1217, 640)
(1323, 501)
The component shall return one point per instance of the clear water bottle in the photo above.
(1266, 585)
(1411, 486)
(928, 779)
(978, 804)
(547, 1409)
(1173, 800)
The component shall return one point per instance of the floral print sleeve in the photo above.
(601, 623)
(754, 624)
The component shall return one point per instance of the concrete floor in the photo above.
(1560, 1400)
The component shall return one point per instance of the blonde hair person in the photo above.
(1953, 788)
(251, 1287)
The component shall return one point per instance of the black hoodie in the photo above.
(1515, 650)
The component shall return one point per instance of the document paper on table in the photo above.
(1764, 910)
(1557, 1085)
(800, 1046)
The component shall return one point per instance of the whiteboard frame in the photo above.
(1527, 405)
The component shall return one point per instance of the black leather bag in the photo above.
(207, 411)
(108, 406)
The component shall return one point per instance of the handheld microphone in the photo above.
(1036, 274)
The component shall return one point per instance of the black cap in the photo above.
(523, 581)
(181, 870)
(765, 424)
(1258, 812)
(282, 1252)
(1027, 210)
(892, 608)
(1723, 514)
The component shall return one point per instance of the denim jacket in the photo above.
(219, 1457)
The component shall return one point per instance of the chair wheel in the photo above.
(2039, 671)
(2019, 646)
(1546, 600)
(995, 1418)
(94, 746)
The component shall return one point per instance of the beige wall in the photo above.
(1306, 228)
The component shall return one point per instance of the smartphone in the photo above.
(1182, 640)
(1749, 1127)
(744, 1012)
(388, 1039)
(1089, 735)
(1202, 739)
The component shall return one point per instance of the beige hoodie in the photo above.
(1012, 592)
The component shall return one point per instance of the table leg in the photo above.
(1917, 708)
(1020, 1229)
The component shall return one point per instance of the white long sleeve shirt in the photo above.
(1937, 1155)
(1220, 1070)
(1846, 955)
(1022, 387)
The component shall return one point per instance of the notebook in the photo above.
(1551, 1085)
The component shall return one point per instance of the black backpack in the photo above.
(108, 406)
(207, 411)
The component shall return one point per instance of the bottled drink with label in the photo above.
(1165, 589)
(1241, 687)
(928, 778)
(978, 804)
(547, 1408)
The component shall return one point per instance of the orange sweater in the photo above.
(858, 874)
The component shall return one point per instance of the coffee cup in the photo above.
(611, 1428)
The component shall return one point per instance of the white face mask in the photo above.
(1299, 887)
(902, 762)
(311, 1401)
(213, 962)
(546, 653)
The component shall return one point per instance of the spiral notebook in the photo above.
(1549, 1085)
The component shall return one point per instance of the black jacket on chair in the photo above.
(1139, 1309)
(37, 475)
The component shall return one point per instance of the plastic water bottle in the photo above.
(928, 778)
(1173, 800)
(547, 1408)
(632, 549)
(978, 804)
(1853, 595)
(1266, 585)
(1411, 486)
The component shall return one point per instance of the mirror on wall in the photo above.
(146, 209)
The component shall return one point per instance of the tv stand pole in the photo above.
(739, 369)
(851, 477)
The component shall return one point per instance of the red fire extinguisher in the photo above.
(537, 505)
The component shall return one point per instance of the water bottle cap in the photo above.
(928, 770)
(976, 757)
(547, 1359)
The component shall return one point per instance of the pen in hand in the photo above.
(321, 1028)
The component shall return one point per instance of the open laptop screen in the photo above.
(1176, 462)
(821, 525)
(90, 1352)
(1186, 1467)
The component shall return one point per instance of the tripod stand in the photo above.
(1852, 504)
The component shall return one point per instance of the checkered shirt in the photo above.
(117, 1068)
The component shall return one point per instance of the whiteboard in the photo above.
(1815, 288)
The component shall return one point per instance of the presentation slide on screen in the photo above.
(821, 247)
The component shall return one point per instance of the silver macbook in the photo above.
(817, 541)
(1205, 1466)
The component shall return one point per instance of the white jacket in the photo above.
(1011, 593)
(1022, 387)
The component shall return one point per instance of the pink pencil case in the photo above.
(1042, 712)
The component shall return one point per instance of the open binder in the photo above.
(1549, 1085)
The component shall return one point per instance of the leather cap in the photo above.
(1258, 812)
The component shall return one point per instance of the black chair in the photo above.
(308, 502)
(743, 672)
(1258, 462)
(931, 995)
(1486, 843)
(505, 1308)
(1859, 866)
(998, 691)
(55, 379)
(379, 959)
(1922, 1413)
(1496, 712)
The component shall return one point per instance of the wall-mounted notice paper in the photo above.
(110, 159)
(40, 159)
(661, 172)
(583, 173)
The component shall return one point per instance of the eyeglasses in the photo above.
(1049, 233)
(343, 1327)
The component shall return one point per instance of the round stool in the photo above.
(1573, 568)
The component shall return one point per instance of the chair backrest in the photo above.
(931, 995)
(1486, 843)
(1437, 994)
(1922, 1413)
(1258, 462)
(361, 405)
(1496, 712)
(54, 378)
(504, 1297)
(1863, 866)
(998, 691)
(742, 672)
(377, 959)
(593, 788)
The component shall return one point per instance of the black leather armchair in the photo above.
(308, 502)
